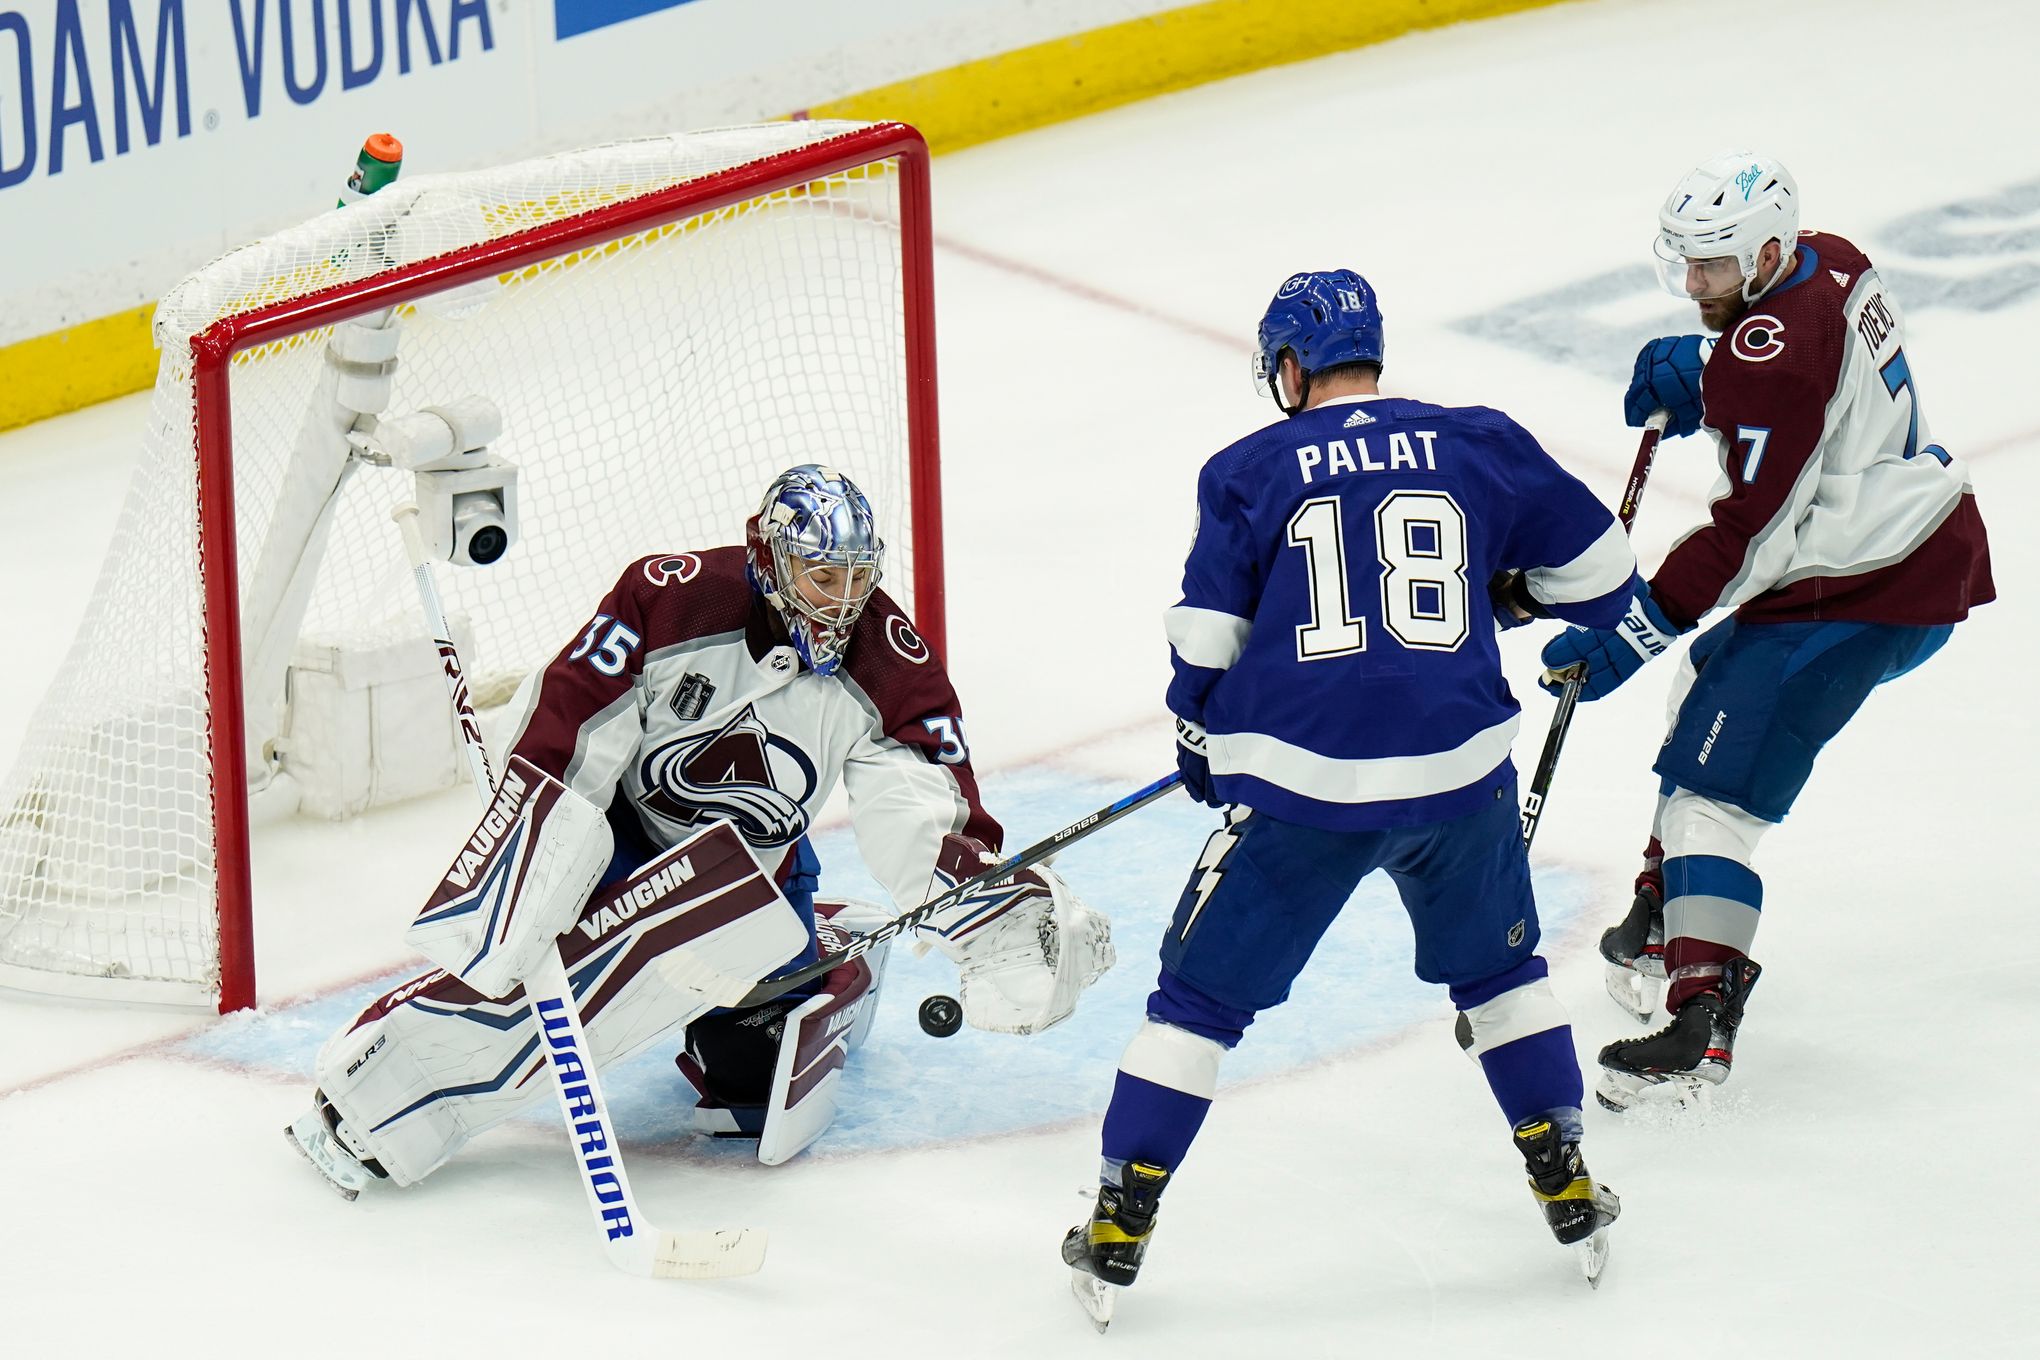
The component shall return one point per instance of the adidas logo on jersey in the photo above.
(1358, 418)
(1839, 277)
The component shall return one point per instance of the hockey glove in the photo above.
(1667, 376)
(1513, 603)
(1611, 655)
(1025, 948)
(1195, 764)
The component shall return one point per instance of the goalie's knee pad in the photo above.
(771, 1072)
(431, 1064)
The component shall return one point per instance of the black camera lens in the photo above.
(490, 542)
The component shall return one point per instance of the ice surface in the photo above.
(1864, 1186)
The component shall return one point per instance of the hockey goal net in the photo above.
(664, 324)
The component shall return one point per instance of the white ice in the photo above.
(1864, 1186)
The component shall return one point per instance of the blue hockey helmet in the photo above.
(1323, 317)
(814, 553)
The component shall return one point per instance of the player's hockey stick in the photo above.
(1576, 679)
(1004, 869)
(632, 1244)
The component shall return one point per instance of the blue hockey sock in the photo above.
(1515, 1028)
(1166, 1081)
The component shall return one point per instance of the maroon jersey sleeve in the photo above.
(583, 724)
(1766, 389)
(911, 783)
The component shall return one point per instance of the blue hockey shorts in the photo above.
(1768, 696)
(1244, 929)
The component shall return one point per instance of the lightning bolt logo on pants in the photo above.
(1212, 863)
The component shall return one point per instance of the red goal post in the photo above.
(750, 286)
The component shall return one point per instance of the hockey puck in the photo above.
(941, 1016)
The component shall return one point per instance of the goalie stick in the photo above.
(632, 1244)
(1004, 869)
(1576, 678)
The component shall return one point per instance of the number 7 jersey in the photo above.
(1835, 500)
(1335, 637)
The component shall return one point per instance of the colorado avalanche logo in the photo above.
(681, 567)
(1758, 338)
(905, 640)
(744, 774)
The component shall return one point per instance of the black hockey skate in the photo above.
(1679, 1062)
(1105, 1253)
(1635, 951)
(1577, 1210)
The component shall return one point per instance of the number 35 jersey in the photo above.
(1835, 500)
(679, 705)
(1335, 636)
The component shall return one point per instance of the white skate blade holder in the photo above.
(1592, 1255)
(1635, 992)
(1620, 1091)
(308, 1134)
(1095, 1296)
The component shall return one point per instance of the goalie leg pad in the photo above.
(754, 1082)
(431, 1064)
(519, 880)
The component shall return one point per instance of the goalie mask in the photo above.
(815, 555)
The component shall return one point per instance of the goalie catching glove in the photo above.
(1025, 948)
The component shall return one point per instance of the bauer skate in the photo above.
(318, 1135)
(1104, 1254)
(1635, 952)
(1577, 1210)
(1680, 1063)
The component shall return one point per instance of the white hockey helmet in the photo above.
(1724, 208)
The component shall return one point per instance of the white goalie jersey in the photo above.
(679, 705)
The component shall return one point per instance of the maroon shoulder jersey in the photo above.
(1835, 500)
(682, 700)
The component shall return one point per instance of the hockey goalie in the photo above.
(651, 824)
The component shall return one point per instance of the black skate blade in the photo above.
(1637, 993)
(1095, 1297)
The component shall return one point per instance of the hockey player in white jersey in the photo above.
(672, 758)
(1842, 537)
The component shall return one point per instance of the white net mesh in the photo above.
(650, 386)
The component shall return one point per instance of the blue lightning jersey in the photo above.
(1335, 637)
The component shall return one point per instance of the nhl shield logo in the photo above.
(1516, 933)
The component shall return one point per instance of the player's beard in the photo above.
(1718, 314)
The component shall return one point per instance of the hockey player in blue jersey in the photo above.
(1338, 689)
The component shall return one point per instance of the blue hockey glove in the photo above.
(1611, 655)
(1195, 765)
(1667, 375)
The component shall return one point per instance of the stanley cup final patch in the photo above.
(690, 700)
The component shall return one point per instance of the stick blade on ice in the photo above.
(709, 1254)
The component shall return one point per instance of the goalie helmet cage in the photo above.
(665, 324)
